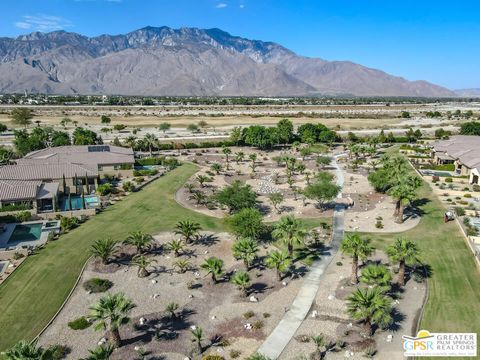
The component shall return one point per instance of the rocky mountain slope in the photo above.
(186, 61)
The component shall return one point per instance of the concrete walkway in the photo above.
(273, 346)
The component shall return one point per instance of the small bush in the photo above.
(467, 195)
(79, 324)
(17, 256)
(235, 353)
(128, 186)
(266, 315)
(249, 314)
(257, 325)
(448, 180)
(460, 211)
(213, 357)
(339, 263)
(476, 188)
(97, 285)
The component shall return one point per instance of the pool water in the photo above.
(436, 173)
(77, 203)
(26, 232)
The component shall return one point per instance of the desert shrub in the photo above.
(266, 315)
(467, 195)
(476, 188)
(460, 211)
(339, 263)
(104, 189)
(257, 325)
(79, 323)
(139, 179)
(235, 353)
(128, 186)
(97, 285)
(213, 357)
(249, 314)
(448, 180)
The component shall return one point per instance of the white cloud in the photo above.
(43, 23)
(221, 6)
(242, 6)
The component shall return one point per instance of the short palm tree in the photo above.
(253, 159)
(110, 313)
(214, 267)
(227, 151)
(289, 231)
(104, 249)
(171, 309)
(280, 261)
(217, 167)
(246, 250)
(371, 307)
(187, 229)
(239, 156)
(190, 187)
(377, 275)
(404, 252)
(199, 197)
(202, 179)
(358, 248)
(100, 353)
(176, 246)
(197, 334)
(150, 142)
(242, 280)
(142, 262)
(322, 344)
(140, 240)
(276, 199)
(24, 350)
(182, 265)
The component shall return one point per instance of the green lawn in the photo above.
(454, 288)
(34, 292)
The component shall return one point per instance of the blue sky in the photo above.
(438, 41)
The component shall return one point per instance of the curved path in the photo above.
(273, 346)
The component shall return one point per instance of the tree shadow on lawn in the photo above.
(416, 207)
(311, 253)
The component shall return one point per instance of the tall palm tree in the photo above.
(197, 334)
(150, 142)
(24, 350)
(289, 231)
(279, 261)
(131, 141)
(214, 267)
(227, 151)
(171, 309)
(371, 307)
(404, 252)
(246, 250)
(187, 229)
(100, 353)
(239, 156)
(176, 246)
(104, 249)
(404, 191)
(143, 263)
(357, 248)
(377, 275)
(242, 280)
(110, 313)
(182, 265)
(140, 240)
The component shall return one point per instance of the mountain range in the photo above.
(185, 62)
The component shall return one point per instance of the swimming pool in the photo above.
(91, 201)
(437, 173)
(26, 232)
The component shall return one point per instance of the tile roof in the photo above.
(36, 171)
(462, 147)
(15, 190)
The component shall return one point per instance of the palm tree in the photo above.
(377, 275)
(404, 191)
(24, 350)
(227, 151)
(246, 250)
(198, 337)
(371, 307)
(140, 240)
(111, 312)
(357, 248)
(202, 179)
(279, 261)
(182, 265)
(104, 249)
(199, 197)
(289, 231)
(131, 141)
(322, 344)
(143, 263)
(404, 252)
(253, 159)
(214, 267)
(150, 142)
(242, 280)
(171, 309)
(187, 229)
(176, 246)
(100, 353)
(190, 187)
(239, 156)
(217, 167)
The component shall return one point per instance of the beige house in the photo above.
(39, 178)
(461, 150)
